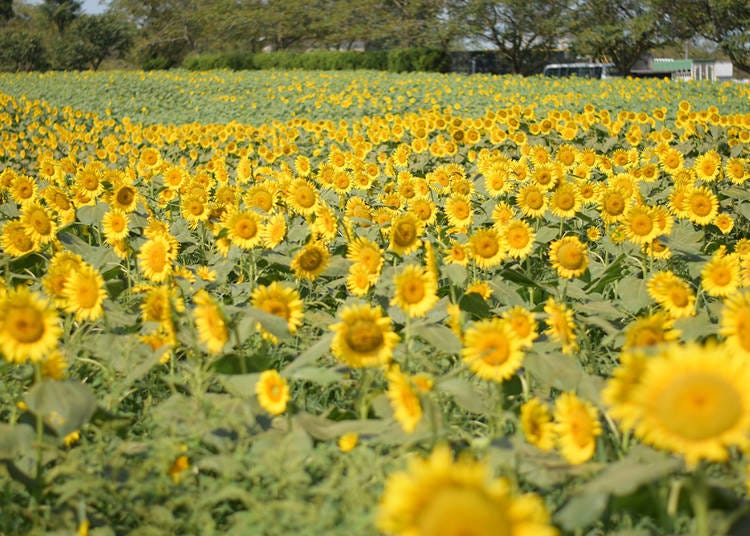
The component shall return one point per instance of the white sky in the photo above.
(94, 6)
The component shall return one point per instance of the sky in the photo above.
(93, 7)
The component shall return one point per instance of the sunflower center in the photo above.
(698, 406)
(458, 510)
(614, 204)
(310, 260)
(486, 247)
(648, 337)
(364, 336)
(721, 276)
(461, 211)
(581, 427)
(87, 294)
(679, 296)
(125, 195)
(495, 352)
(641, 225)
(40, 222)
(570, 256)
(245, 228)
(304, 196)
(404, 234)
(534, 200)
(517, 239)
(700, 206)
(275, 307)
(413, 291)
(566, 201)
(743, 331)
(25, 324)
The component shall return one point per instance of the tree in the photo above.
(96, 37)
(524, 32)
(620, 31)
(61, 12)
(6, 10)
(724, 22)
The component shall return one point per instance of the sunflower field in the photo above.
(373, 303)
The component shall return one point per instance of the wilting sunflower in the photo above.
(405, 232)
(212, 328)
(692, 400)
(721, 275)
(363, 337)
(415, 292)
(272, 391)
(243, 228)
(29, 327)
(735, 321)
(310, 261)
(155, 259)
(84, 293)
(280, 301)
(407, 410)
(576, 427)
(560, 325)
(650, 330)
(537, 426)
(16, 240)
(440, 496)
(492, 350)
(569, 256)
(487, 248)
(672, 293)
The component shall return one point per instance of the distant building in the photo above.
(686, 69)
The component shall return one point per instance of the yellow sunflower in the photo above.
(415, 292)
(701, 205)
(367, 253)
(519, 238)
(693, 400)
(407, 410)
(560, 325)
(405, 232)
(640, 224)
(492, 350)
(212, 328)
(363, 337)
(672, 293)
(280, 301)
(458, 210)
(523, 324)
(124, 197)
(569, 257)
(302, 196)
(39, 223)
(310, 261)
(618, 392)
(576, 427)
(243, 228)
(721, 275)
(537, 426)
(735, 321)
(272, 391)
(564, 201)
(439, 496)
(115, 225)
(155, 259)
(29, 327)
(16, 240)
(650, 330)
(532, 200)
(487, 248)
(84, 293)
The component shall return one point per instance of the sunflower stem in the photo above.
(699, 501)
(363, 403)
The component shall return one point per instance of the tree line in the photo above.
(525, 34)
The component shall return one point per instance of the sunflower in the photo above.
(569, 257)
(519, 238)
(415, 292)
(456, 254)
(325, 226)
(29, 327)
(23, 189)
(708, 166)
(280, 301)
(532, 200)
(302, 196)
(84, 293)
(721, 275)
(404, 399)
(360, 280)
(492, 350)
(16, 240)
(195, 210)
(736, 170)
(310, 261)
(363, 337)
(735, 321)
(650, 330)
(115, 225)
(212, 328)
(537, 426)
(440, 496)
(155, 259)
(564, 201)
(576, 427)
(54, 366)
(243, 228)
(612, 205)
(618, 391)
(640, 225)
(693, 400)
(272, 391)
(458, 210)
(701, 205)
(405, 232)
(523, 325)
(124, 198)
(724, 222)
(672, 293)
(424, 209)
(39, 223)
(487, 248)
(560, 325)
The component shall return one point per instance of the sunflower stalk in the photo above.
(363, 401)
(699, 502)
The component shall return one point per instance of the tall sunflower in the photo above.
(209, 320)
(84, 293)
(576, 427)
(155, 259)
(29, 327)
(487, 248)
(273, 392)
(721, 275)
(280, 301)
(415, 292)
(363, 337)
(560, 325)
(243, 228)
(404, 399)
(492, 350)
(536, 423)
(405, 232)
(310, 261)
(672, 293)
(569, 256)
(439, 496)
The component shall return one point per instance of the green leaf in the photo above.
(320, 375)
(456, 274)
(327, 430)
(92, 215)
(476, 305)
(561, 372)
(250, 317)
(65, 406)
(465, 395)
(627, 475)
(581, 511)
(312, 354)
(439, 336)
(15, 439)
(633, 294)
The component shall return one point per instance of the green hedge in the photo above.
(396, 60)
